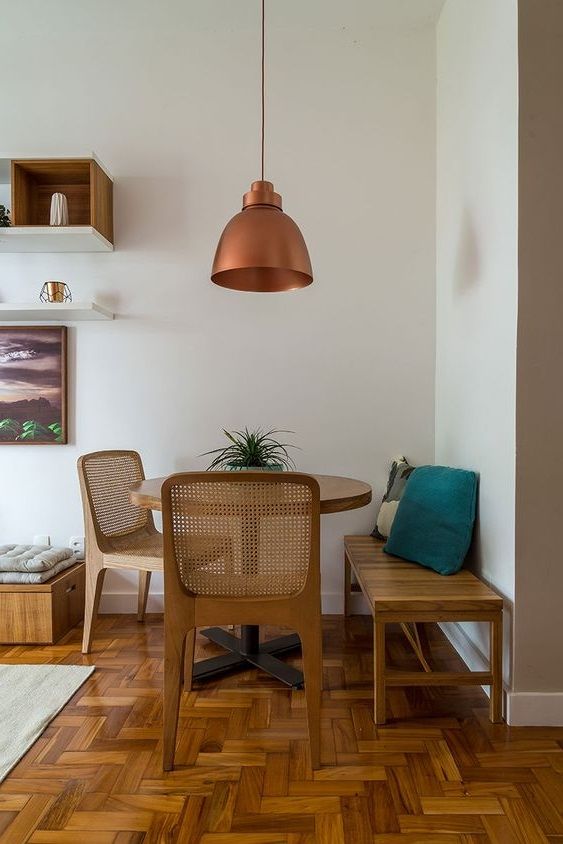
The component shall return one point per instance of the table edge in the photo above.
(334, 505)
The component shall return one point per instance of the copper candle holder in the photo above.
(55, 291)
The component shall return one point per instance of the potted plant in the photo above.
(256, 450)
(4, 217)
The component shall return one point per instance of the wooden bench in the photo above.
(403, 592)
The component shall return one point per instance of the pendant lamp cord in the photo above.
(263, 86)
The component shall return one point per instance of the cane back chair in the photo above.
(118, 534)
(240, 548)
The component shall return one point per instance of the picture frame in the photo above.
(33, 385)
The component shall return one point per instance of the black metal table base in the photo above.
(246, 652)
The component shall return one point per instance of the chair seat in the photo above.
(136, 551)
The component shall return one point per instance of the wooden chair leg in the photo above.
(311, 644)
(189, 660)
(95, 574)
(347, 586)
(495, 706)
(144, 586)
(379, 672)
(174, 646)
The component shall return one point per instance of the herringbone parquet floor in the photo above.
(438, 772)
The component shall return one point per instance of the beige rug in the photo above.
(30, 697)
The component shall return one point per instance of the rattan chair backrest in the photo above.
(237, 536)
(106, 478)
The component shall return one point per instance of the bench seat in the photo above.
(399, 591)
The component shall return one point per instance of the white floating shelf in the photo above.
(53, 312)
(53, 239)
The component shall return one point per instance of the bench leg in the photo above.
(379, 672)
(347, 585)
(495, 706)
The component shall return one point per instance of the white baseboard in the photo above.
(332, 603)
(466, 648)
(358, 604)
(522, 709)
(535, 709)
(126, 602)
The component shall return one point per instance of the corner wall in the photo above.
(537, 696)
(477, 276)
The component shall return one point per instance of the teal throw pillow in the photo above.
(434, 521)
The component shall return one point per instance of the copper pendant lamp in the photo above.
(261, 248)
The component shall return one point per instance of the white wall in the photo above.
(477, 275)
(167, 95)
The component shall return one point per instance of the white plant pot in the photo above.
(275, 467)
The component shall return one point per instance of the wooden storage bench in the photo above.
(41, 613)
(399, 591)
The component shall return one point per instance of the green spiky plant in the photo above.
(255, 449)
(30, 431)
(34, 431)
(9, 429)
(4, 217)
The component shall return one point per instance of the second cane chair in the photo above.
(240, 549)
(119, 535)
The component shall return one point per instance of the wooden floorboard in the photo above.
(437, 773)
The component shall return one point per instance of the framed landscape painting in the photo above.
(33, 385)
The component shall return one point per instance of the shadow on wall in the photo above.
(467, 263)
(151, 213)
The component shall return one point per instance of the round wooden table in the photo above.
(337, 495)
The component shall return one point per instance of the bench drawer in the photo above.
(42, 613)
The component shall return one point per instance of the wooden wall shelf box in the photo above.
(89, 191)
(33, 614)
(53, 312)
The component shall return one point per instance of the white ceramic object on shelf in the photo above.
(59, 210)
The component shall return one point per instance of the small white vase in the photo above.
(59, 210)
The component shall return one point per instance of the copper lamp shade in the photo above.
(261, 248)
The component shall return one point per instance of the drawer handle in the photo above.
(71, 588)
